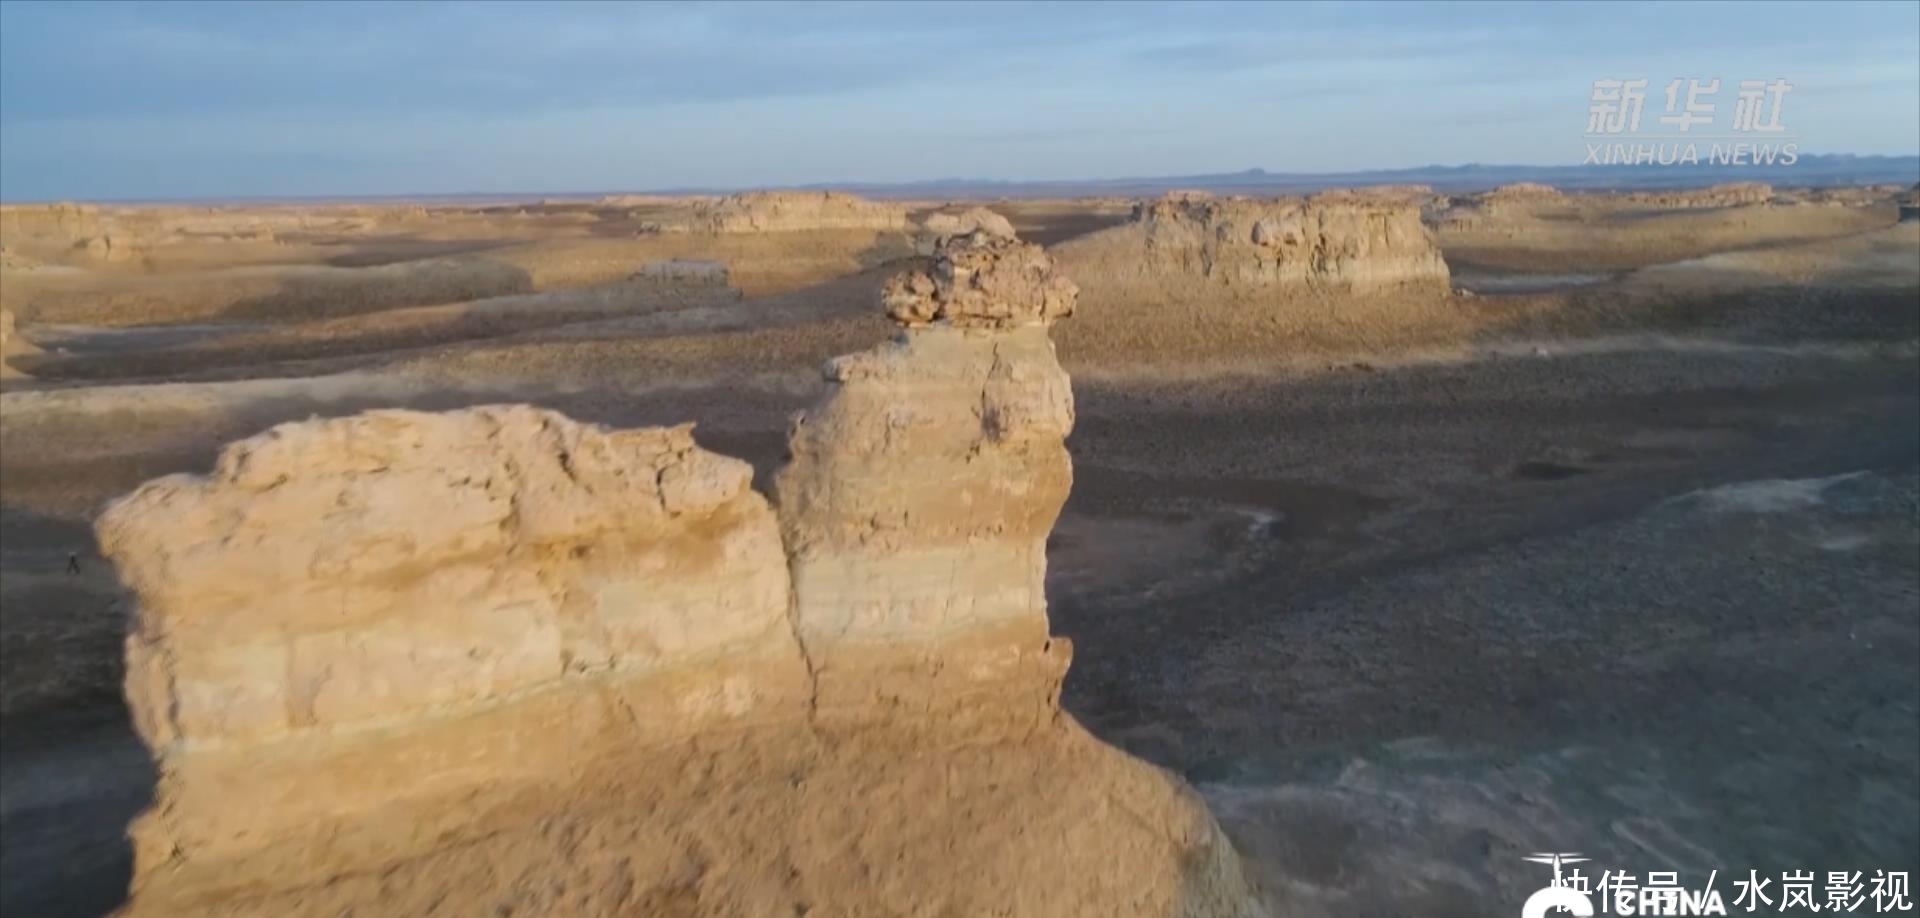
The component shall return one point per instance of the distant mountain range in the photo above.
(1809, 170)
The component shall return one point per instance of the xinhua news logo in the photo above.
(1697, 124)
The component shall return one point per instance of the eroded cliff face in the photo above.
(1339, 242)
(498, 662)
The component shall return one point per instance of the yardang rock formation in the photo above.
(1349, 243)
(784, 211)
(497, 662)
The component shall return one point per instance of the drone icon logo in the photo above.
(1559, 896)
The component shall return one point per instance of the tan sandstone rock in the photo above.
(12, 344)
(1335, 242)
(107, 248)
(1518, 199)
(920, 491)
(497, 662)
(787, 211)
(942, 224)
(982, 280)
(65, 222)
(434, 582)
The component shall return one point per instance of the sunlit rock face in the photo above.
(922, 486)
(1193, 244)
(348, 614)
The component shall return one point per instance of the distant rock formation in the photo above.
(1339, 242)
(107, 248)
(645, 200)
(12, 344)
(64, 221)
(943, 224)
(787, 211)
(1732, 194)
(1515, 199)
(11, 260)
(1522, 191)
(1419, 195)
(497, 662)
(72, 233)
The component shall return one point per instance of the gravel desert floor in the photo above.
(1613, 554)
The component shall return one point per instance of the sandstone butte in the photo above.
(783, 211)
(1340, 242)
(497, 662)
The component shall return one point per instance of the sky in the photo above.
(169, 100)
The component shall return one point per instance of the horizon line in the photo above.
(933, 183)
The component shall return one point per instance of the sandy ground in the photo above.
(1621, 562)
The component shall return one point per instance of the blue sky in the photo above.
(168, 100)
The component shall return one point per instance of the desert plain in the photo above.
(1417, 532)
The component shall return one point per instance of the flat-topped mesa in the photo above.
(1419, 195)
(1343, 242)
(1522, 191)
(787, 211)
(65, 222)
(389, 611)
(1730, 194)
(921, 489)
(1514, 199)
